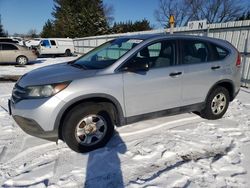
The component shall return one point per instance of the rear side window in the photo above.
(194, 52)
(9, 47)
(53, 43)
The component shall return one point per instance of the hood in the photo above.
(54, 74)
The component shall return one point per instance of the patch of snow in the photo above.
(11, 69)
(177, 151)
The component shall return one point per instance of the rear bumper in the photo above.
(31, 127)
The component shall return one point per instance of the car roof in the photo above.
(142, 36)
(176, 36)
(166, 35)
(9, 43)
(15, 44)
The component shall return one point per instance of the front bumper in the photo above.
(31, 127)
(37, 117)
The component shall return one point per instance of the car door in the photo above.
(45, 47)
(157, 89)
(9, 52)
(200, 72)
(53, 47)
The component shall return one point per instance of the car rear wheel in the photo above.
(217, 104)
(22, 60)
(68, 52)
(87, 127)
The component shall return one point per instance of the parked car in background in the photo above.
(124, 81)
(56, 46)
(11, 52)
(10, 40)
(19, 40)
(33, 43)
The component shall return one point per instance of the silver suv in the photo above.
(123, 81)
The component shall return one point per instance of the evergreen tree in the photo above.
(2, 32)
(77, 18)
(143, 25)
(48, 30)
(129, 26)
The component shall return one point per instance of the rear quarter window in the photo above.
(221, 52)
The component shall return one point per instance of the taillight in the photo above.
(238, 62)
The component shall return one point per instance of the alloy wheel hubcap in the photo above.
(22, 60)
(218, 104)
(90, 130)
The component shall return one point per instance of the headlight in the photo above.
(45, 90)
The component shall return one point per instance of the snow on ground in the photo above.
(11, 69)
(177, 151)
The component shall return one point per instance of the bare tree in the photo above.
(171, 7)
(32, 33)
(213, 11)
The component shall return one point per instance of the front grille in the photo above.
(18, 93)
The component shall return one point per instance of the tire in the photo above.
(81, 131)
(216, 104)
(68, 53)
(22, 60)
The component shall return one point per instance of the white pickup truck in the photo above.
(54, 46)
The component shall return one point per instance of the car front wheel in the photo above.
(217, 104)
(22, 60)
(87, 127)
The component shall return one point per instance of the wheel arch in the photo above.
(21, 55)
(228, 84)
(110, 102)
(68, 51)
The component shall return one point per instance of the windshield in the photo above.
(106, 54)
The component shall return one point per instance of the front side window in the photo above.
(9, 47)
(194, 52)
(160, 54)
(45, 43)
(106, 54)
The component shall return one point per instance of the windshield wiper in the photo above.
(78, 66)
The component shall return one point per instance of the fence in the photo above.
(237, 33)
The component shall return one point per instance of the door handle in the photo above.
(215, 67)
(175, 74)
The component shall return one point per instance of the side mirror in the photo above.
(137, 66)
